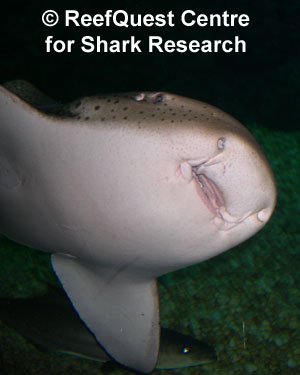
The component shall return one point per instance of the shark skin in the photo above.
(121, 189)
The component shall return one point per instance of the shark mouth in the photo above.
(210, 194)
(208, 191)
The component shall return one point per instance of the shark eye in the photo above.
(158, 98)
(185, 350)
(140, 96)
(221, 143)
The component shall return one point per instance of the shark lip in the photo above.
(209, 192)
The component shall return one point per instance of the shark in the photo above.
(51, 324)
(121, 189)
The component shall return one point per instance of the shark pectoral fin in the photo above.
(120, 310)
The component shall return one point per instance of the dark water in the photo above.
(246, 302)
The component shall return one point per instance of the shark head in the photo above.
(122, 189)
(230, 177)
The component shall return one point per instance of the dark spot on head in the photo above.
(116, 101)
(77, 104)
(125, 108)
(97, 107)
(125, 118)
(173, 114)
(141, 112)
(153, 115)
(172, 120)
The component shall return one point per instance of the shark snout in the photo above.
(236, 183)
(246, 182)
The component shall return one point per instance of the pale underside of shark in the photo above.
(122, 189)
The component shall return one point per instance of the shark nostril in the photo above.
(221, 143)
